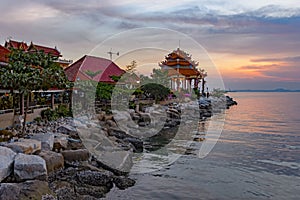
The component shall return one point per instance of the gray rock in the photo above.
(28, 167)
(66, 129)
(95, 178)
(27, 146)
(76, 155)
(60, 142)
(6, 162)
(54, 161)
(119, 162)
(47, 140)
(9, 191)
(123, 182)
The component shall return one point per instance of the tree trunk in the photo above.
(25, 115)
(203, 85)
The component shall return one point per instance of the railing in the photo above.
(30, 109)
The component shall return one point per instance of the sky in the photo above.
(252, 44)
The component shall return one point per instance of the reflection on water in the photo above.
(257, 156)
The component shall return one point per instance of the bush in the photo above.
(62, 111)
(5, 135)
(49, 114)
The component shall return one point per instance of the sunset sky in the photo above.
(254, 44)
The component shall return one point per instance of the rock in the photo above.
(54, 161)
(9, 191)
(118, 162)
(34, 189)
(123, 182)
(136, 142)
(27, 190)
(27, 146)
(118, 133)
(6, 162)
(95, 178)
(108, 117)
(47, 140)
(60, 142)
(28, 167)
(48, 197)
(66, 129)
(111, 123)
(94, 191)
(76, 155)
(100, 116)
(66, 193)
(145, 117)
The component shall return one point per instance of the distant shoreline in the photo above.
(276, 90)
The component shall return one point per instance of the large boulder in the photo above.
(6, 162)
(9, 191)
(60, 142)
(95, 178)
(47, 140)
(119, 162)
(54, 161)
(27, 190)
(123, 182)
(28, 167)
(26, 146)
(76, 155)
(66, 129)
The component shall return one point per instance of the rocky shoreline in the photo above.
(81, 158)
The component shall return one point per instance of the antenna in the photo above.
(111, 53)
(179, 44)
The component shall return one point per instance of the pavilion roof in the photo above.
(47, 50)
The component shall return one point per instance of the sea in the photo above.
(257, 156)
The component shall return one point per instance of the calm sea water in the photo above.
(256, 157)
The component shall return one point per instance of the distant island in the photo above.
(273, 90)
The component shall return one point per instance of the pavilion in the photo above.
(182, 70)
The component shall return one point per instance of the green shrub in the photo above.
(62, 111)
(49, 114)
(5, 135)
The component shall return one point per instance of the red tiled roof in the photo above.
(101, 67)
(16, 45)
(4, 52)
(183, 71)
(47, 50)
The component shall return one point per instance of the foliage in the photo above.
(156, 91)
(5, 135)
(131, 68)
(92, 74)
(62, 111)
(29, 71)
(217, 92)
(6, 102)
(104, 91)
(49, 114)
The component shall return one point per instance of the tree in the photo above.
(157, 91)
(92, 74)
(203, 74)
(29, 71)
(131, 68)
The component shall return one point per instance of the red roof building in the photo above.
(47, 50)
(12, 44)
(16, 45)
(4, 52)
(93, 68)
